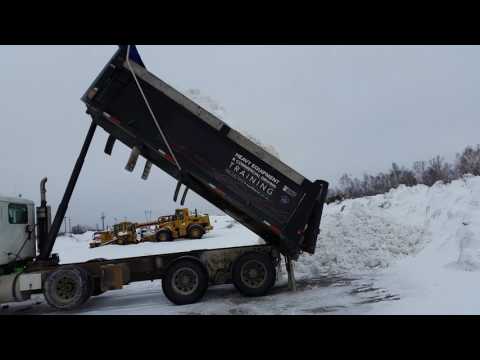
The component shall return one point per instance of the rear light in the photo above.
(275, 230)
(91, 94)
(169, 158)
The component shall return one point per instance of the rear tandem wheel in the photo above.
(185, 283)
(254, 274)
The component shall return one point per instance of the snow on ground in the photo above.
(443, 277)
(411, 251)
(227, 233)
(424, 242)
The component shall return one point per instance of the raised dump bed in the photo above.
(205, 154)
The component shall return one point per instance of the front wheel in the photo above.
(196, 232)
(68, 287)
(254, 274)
(163, 235)
(185, 283)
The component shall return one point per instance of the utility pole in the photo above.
(148, 215)
(103, 221)
(68, 220)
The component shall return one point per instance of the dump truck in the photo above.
(204, 155)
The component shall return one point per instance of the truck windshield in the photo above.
(17, 214)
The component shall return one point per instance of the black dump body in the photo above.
(217, 162)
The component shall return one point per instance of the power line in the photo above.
(68, 221)
(148, 215)
(103, 221)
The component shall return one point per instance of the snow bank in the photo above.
(422, 243)
(375, 232)
(355, 239)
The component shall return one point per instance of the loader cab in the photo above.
(181, 215)
(17, 230)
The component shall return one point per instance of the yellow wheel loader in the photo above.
(123, 233)
(182, 225)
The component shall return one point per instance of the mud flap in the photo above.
(114, 277)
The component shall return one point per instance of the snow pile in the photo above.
(443, 278)
(375, 232)
(207, 103)
(219, 111)
(268, 148)
(469, 244)
(352, 239)
(450, 213)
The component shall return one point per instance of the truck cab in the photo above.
(17, 232)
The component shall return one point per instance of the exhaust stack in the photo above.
(44, 216)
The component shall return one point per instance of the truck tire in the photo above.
(68, 288)
(163, 235)
(196, 231)
(185, 283)
(254, 274)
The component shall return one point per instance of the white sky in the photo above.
(327, 109)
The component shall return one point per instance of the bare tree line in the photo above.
(421, 172)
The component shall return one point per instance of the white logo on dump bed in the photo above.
(252, 175)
